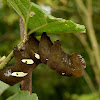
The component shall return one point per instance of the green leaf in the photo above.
(39, 20)
(3, 87)
(20, 6)
(93, 96)
(23, 95)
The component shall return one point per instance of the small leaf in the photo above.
(3, 87)
(38, 20)
(23, 95)
(20, 6)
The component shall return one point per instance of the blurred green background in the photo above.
(46, 82)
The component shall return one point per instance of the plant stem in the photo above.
(21, 28)
(88, 80)
(26, 84)
(87, 18)
(7, 59)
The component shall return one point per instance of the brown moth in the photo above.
(46, 52)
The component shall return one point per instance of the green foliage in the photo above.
(3, 87)
(39, 20)
(47, 83)
(94, 96)
(23, 95)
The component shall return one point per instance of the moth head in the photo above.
(78, 65)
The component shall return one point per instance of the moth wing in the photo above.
(44, 48)
(32, 47)
(55, 55)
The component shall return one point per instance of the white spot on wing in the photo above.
(28, 61)
(8, 72)
(19, 74)
(37, 56)
(63, 73)
(64, 60)
(46, 59)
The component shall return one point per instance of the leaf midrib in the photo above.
(43, 26)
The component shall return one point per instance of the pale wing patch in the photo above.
(46, 59)
(37, 56)
(19, 74)
(8, 72)
(28, 61)
(63, 73)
